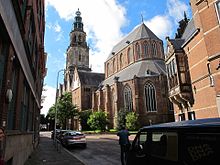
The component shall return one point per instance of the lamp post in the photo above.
(55, 119)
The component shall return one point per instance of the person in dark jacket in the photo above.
(124, 143)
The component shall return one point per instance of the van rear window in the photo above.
(201, 148)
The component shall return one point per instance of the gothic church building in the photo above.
(135, 79)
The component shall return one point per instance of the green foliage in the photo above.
(121, 118)
(98, 120)
(51, 112)
(131, 121)
(128, 119)
(84, 116)
(65, 109)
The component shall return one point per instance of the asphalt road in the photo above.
(102, 149)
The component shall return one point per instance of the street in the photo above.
(102, 149)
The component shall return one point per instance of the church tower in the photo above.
(78, 50)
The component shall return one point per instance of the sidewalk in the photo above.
(46, 154)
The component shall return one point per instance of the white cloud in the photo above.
(57, 27)
(176, 9)
(49, 94)
(161, 26)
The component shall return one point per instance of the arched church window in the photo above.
(121, 60)
(150, 97)
(145, 47)
(130, 56)
(138, 51)
(74, 38)
(128, 102)
(107, 69)
(154, 49)
(80, 38)
(114, 66)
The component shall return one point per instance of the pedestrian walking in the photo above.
(124, 143)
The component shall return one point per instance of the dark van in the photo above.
(192, 142)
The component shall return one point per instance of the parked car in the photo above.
(61, 133)
(71, 138)
(192, 142)
(52, 133)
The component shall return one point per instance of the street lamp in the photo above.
(55, 119)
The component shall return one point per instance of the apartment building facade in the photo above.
(22, 72)
(193, 63)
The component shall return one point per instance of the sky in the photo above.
(106, 22)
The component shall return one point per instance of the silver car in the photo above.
(72, 138)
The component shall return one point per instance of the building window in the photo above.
(128, 99)
(114, 66)
(170, 105)
(211, 79)
(145, 46)
(218, 10)
(191, 115)
(138, 52)
(12, 104)
(130, 56)
(154, 49)
(150, 97)
(181, 117)
(121, 63)
(80, 57)
(107, 69)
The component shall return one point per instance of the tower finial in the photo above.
(185, 17)
(142, 18)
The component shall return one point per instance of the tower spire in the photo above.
(78, 25)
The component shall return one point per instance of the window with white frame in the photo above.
(150, 97)
(128, 103)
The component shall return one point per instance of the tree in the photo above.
(65, 109)
(51, 112)
(121, 118)
(98, 120)
(128, 119)
(131, 121)
(84, 116)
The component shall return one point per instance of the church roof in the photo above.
(138, 69)
(90, 78)
(177, 43)
(189, 31)
(140, 32)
